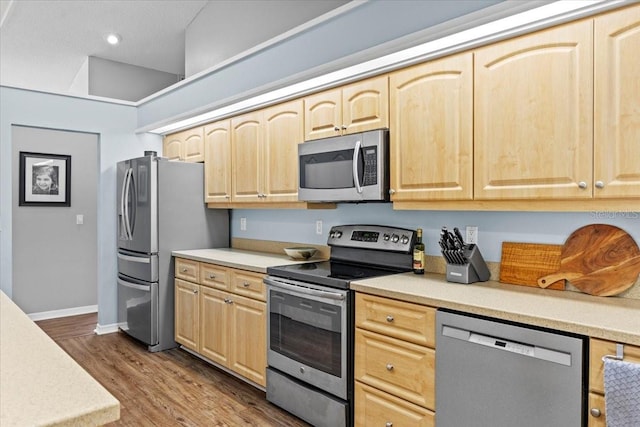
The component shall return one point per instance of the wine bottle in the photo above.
(418, 253)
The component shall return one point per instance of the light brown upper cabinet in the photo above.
(217, 164)
(265, 154)
(353, 108)
(533, 115)
(616, 163)
(431, 130)
(187, 145)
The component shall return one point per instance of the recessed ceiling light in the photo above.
(113, 39)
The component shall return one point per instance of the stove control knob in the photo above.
(338, 234)
(395, 238)
(405, 240)
(386, 237)
(332, 234)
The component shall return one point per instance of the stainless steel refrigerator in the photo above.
(160, 209)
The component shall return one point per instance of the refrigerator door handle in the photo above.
(125, 203)
(134, 286)
(142, 260)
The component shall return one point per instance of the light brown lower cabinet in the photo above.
(394, 363)
(377, 408)
(597, 350)
(223, 317)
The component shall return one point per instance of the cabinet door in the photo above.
(365, 105)
(246, 157)
(323, 115)
(172, 146)
(283, 131)
(533, 110)
(248, 329)
(217, 163)
(596, 403)
(376, 408)
(599, 348)
(214, 338)
(193, 145)
(432, 131)
(617, 104)
(187, 314)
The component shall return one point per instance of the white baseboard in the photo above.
(106, 329)
(54, 314)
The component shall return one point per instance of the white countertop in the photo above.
(40, 384)
(611, 318)
(242, 259)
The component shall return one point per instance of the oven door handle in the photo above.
(304, 290)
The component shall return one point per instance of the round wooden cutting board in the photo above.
(598, 259)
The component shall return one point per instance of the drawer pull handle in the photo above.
(195, 291)
(184, 269)
(595, 412)
(389, 367)
(389, 318)
(388, 424)
(246, 284)
(212, 276)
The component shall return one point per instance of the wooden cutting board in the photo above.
(524, 263)
(598, 259)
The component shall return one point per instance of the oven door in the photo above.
(307, 333)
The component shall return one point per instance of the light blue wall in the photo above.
(494, 227)
(326, 47)
(115, 124)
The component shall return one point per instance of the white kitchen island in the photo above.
(40, 384)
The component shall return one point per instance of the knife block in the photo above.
(475, 270)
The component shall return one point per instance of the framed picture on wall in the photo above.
(45, 179)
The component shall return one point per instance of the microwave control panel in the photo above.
(370, 166)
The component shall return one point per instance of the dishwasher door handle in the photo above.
(515, 347)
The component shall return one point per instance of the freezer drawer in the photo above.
(138, 309)
(497, 374)
(138, 266)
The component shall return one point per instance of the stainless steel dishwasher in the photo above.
(490, 373)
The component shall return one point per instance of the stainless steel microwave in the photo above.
(348, 168)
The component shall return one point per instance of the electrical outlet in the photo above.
(472, 235)
(243, 224)
(318, 227)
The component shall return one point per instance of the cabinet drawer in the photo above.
(376, 408)
(600, 348)
(214, 276)
(596, 402)
(406, 321)
(403, 369)
(248, 284)
(187, 269)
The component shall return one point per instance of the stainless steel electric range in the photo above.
(311, 321)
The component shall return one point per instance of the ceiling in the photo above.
(44, 44)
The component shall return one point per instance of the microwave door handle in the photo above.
(356, 155)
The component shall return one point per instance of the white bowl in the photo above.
(300, 252)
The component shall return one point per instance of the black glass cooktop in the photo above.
(328, 273)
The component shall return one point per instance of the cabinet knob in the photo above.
(388, 424)
(184, 269)
(599, 184)
(392, 191)
(595, 412)
(389, 367)
(212, 276)
(336, 128)
(582, 185)
(246, 284)
(195, 291)
(344, 127)
(389, 318)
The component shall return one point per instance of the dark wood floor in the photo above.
(169, 388)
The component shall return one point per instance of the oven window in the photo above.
(306, 331)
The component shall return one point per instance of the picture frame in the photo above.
(45, 179)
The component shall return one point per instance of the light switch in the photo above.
(79, 219)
